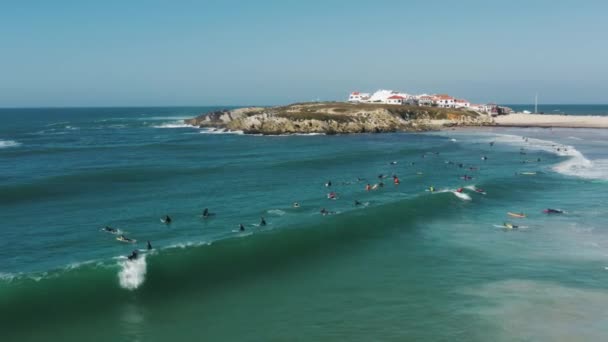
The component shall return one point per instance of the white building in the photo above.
(356, 96)
(460, 103)
(381, 95)
(395, 99)
(443, 101)
(425, 100)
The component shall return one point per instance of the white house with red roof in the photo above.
(356, 96)
(443, 101)
(460, 103)
(425, 100)
(395, 99)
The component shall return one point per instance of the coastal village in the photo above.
(437, 100)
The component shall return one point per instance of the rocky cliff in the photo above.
(336, 118)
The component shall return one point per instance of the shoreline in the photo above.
(551, 121)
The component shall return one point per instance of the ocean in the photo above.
(401, 264)
(568, 109)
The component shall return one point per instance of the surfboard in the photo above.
(516, 215)
(126, 241)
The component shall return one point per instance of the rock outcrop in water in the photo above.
(336, 118)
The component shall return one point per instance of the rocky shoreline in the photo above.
(337, 118)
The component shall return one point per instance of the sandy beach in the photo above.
(542, 120)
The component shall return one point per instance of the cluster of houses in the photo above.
(436, 100)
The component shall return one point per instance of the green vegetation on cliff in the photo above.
(336, 117)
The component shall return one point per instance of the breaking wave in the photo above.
(9, 143)
(576, 165)
(132, 273)
(174, 124)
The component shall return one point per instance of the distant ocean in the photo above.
(563, 109)
(401, 264)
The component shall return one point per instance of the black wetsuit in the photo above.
(133, 255)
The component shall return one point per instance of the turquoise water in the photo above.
(407, 264)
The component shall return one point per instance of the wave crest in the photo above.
(9, 143)
(132, 273)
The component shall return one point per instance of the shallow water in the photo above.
(408, 265)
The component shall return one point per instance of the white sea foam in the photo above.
(174, 124)
(462, 196)
(9, 143)
(277, 212)
(183, 245)
(7, 276)
(220, 131)
(132, 273)
(576, 165)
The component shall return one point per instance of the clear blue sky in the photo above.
(114, 53)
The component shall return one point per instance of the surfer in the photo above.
(368, 187)
(459, 190)
(381, 184)
(166, 219)
(149, 245)
(510, 225)
(206, 213)
(357, 203)
(324, 211)
(431, 188)
(332, 195)
(296, 204)
(491, 143)
(262, 222)
(328, 184)
(393, 163)
(133, 255)
(124, 239)
(396, 180)
(484, 158)
(110, 230)
(241, 227)
(553, 211)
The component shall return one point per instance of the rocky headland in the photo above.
(337, 118)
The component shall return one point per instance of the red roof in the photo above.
(396, 97)
(355, 93)
(443, 97)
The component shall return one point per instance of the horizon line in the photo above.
(252, 105)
